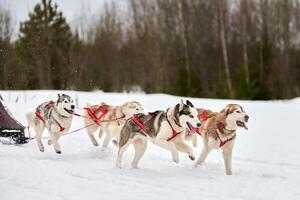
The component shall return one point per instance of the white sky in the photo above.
(70, 8)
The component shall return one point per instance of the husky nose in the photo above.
(246, 118)
(72, 106)
(198, 124)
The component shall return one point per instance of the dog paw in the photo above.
(176, 160)
(42, 150)
(134, 166)
(229, 173)
(118, 165)
(197, 164)
(96, 144)
(192, 157)
(58, 151)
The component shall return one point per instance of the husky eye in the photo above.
(238, 111)
(137, 109)
(66, 101)
(191, 116)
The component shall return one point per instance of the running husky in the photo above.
(109, 119)
(166, 129)
(55, 116)
(219, 131)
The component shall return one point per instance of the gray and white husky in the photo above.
(56, 117)
(167, 129)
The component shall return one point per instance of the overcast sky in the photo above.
(70, 9)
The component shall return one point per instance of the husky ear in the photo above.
(227, 109)
(176, 112)
(189, 103)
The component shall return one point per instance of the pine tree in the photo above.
(44, 47)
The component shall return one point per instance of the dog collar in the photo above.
(222, 128)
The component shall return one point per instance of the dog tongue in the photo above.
(244, 126)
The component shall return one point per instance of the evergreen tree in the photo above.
(44, 47)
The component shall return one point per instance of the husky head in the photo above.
(65, 105)
(186, 115)
(131, 108)
(235, 116)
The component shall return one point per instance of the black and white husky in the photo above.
(55, 116)
(166, 129)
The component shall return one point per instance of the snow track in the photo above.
(266, 158)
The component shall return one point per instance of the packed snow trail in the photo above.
(266, 158)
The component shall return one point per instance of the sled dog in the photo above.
(166, 129)
(109, 119)
(219, 131)
(56, 117)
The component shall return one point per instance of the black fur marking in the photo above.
(176, 112)
(185, 110)
(189, 103)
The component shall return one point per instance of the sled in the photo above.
(11, 131)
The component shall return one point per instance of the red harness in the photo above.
(39, 115)
(203, 117)
(149, 116)
(140, 124)
(221, 126)
(91, 112)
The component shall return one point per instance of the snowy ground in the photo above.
(266, 160)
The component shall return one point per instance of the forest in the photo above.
(242, 49)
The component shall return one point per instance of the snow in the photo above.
(266, 158)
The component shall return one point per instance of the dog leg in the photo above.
(169, 146)
(204, 153)
(183, 147)
(54, 139)
(100, 132)
(195, 141)
(107, 139)
(140, 146)
(227, 155)
(161, 140)
(39, 129)
(120, 153)
(90, 132)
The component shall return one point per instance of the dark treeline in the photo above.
(246, 49)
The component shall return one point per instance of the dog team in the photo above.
(127, 124)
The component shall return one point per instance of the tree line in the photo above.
(244, 49)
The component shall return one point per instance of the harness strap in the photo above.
(203, 115)
(39, 115)
(141, 125)
(222, 143)
(174, 133)
(91, 113)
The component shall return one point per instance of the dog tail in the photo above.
(30, 118)
(124, 136)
